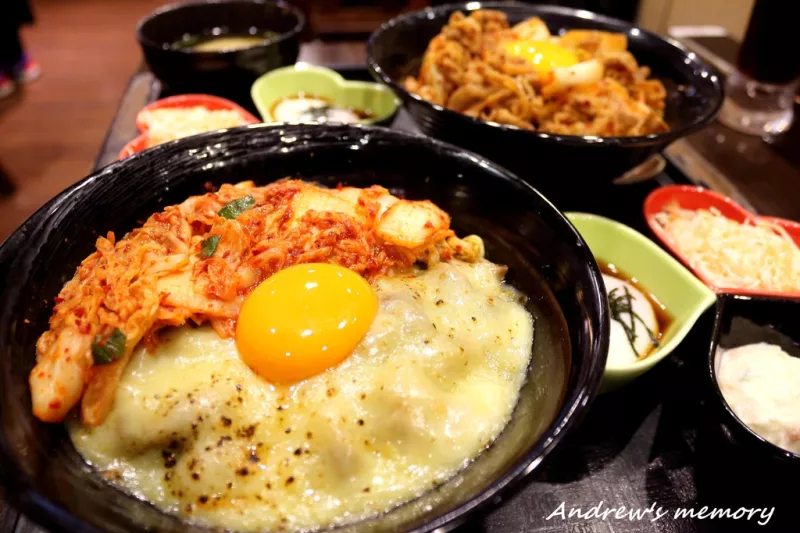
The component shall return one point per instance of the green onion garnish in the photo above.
(113, 349)
(234, 208)
(209, 246)
(620, 305)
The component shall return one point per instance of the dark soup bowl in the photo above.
(168, 37)
(555, 164)
(546, 257)
(742, 321)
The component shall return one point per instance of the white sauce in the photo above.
(620, 352)
(761, 384)
(301, 110)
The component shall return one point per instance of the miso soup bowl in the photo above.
(224, 73)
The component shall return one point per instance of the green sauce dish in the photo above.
(308, 93)
(676, 296)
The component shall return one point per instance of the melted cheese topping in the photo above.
(756, 255)
(760, 382)
(194, 431)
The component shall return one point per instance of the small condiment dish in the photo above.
(683, 297)
(697, 198)
(319, 82)
(181, 101)
(743, 320)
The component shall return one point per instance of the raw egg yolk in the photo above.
(543, 55)
(303, 320)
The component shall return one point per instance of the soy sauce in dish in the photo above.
(217, 40)
(638, 319)
(309, 108)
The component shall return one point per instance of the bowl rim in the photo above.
(331, 74)
(708, 298)
(577, 140)
(571, 411)
(711, 361)
(178, 5)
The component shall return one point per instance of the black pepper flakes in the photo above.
(243, 471)
(365, 489)
(360, 422)
(253, 457)
(247, 432)
(238, 387)
(202, 499)
(289, 480)
(195, 476)
(439, 303)
(287, 430)
(222, 440)
(298, 451)
(229, 485)
(169, 458)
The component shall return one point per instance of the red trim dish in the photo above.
(695, 198)
(212, 103)
(136, 145)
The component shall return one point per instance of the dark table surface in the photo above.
(654, 444)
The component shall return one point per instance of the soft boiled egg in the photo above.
(303, 320)
(543, 55)
(531, 40)
(631, 318)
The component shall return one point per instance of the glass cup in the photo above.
(760, 93)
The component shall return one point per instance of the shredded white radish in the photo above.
(754, 255)
(168, 124)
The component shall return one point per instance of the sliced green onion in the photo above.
(210, 246)
(111, 350)
(234, 208)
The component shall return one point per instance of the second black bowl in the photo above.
(552, 163)
(224, 73)
(740, 321)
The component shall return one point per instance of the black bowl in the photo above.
(742, 320)
(231, 73)
(547, 259)
(552, 163)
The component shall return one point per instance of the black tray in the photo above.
(653, 444)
